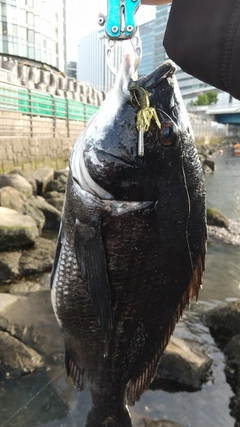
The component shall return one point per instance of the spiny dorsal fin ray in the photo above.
(137, 386)
(75, 371)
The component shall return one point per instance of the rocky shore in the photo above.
(30, 213)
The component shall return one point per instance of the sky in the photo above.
(81, 18)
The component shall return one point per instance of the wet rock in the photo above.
(52, 215)
(214, 217)
(232, 349)
(55, 199)
(6, 300)
(13, 199)
(230, 236)
(224, 322)
(16, 181)
(16, 230)
(9, 265)
(16, 358)
(37, 259)
(145, 422)
(207, 163)
(43, 177)
(182, 367)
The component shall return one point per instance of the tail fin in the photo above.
(96, 419)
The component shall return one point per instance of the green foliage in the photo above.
(207, 98)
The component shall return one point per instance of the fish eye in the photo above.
(167, 133)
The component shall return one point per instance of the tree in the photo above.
(207, 98)
(212, 97)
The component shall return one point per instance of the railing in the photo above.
(25, 112)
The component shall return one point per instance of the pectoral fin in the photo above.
(56, 256)
(90, 253)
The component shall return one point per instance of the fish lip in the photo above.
(167, 69)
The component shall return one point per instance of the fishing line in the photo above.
(189, 209)
(32, 398)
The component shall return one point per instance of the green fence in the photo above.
(34, 103)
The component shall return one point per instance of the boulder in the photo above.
(34, 260)
(224, 322)
(9, 265)
(13, 199)
(60, 172)
(16, 230)
(16, 358)
(28, 176)
(37, 259)
(16, 181)
(56, 185)
(55, 199)
(183, 367)
(214, 217)
(52, 215)
(43, 177)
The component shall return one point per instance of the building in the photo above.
(72, 69)
(34, 31)
(92, 66)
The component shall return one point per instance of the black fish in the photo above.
(131, 248)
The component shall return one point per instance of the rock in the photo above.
(16, 358)
(55, 199)
(224, 322)
(16, 230)
(43, 177)
(145, 422)
(228, 236)
(56, 185)
(13, 199)
(37, 259)
(216, 218)
(25, 288)
(60, 172)
(180, 365)
(9, 265)
(52, 215)
(28, 176)
(6, 300)
(207, 163)
(16, 181)
(232, 349)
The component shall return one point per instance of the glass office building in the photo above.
(34, 30)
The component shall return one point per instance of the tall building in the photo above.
(34, 30)
(92, 67)
(147, 38)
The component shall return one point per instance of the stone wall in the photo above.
(32, 153)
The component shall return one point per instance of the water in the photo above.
(60, 405)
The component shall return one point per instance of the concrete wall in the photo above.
(33, 153)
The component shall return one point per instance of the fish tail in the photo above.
(96, 419)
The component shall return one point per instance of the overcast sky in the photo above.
(82, 19)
